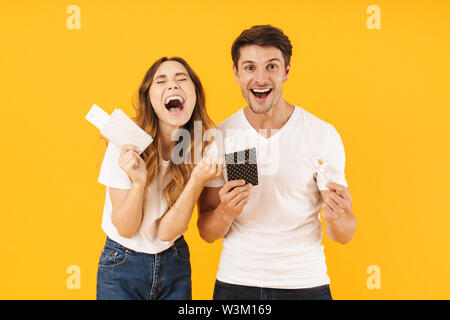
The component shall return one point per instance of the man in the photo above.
(272, 232)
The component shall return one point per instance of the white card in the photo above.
(324, 168)
(119, 128)
(97, 116)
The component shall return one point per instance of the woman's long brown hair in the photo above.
(147, 119)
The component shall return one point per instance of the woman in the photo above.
(150, 197)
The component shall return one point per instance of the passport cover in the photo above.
(242, 165)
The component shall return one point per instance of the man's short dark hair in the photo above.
(264, 36)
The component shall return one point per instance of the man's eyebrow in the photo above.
(251, 61)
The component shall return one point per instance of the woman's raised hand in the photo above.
(208, 168)
(131, 162)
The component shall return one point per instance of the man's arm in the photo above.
(219, 206)
(338, 213)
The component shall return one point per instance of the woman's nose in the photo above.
(172, 86)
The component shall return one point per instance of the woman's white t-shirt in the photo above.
(112, 176)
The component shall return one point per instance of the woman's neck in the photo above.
(165, 134)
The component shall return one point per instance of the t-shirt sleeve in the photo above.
(334, 155)
(216, 182)
(111, 175)
(215, 149)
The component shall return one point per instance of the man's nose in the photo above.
(261, 77)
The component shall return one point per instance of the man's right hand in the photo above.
(233, 197)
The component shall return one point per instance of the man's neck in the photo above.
(270, 121)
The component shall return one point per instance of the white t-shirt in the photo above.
(276, 241)
(145, 240)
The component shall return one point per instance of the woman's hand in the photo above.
(131, 162)
(208, 168)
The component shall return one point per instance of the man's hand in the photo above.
(233, 197)
(338, 213)
(337, 203)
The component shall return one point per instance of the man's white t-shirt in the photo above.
(276, 241)
(153, 207)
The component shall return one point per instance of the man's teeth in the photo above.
(179, 98)
(261, 91)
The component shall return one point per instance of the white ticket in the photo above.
(119, 128)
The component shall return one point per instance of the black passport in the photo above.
(242, 165)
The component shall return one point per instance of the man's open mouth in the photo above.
(261, 93)
(174, 104)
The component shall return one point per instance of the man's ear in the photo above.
(286, 76)
(236, 75)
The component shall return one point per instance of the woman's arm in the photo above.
(127, 209)
(126, 213)
(175, 222)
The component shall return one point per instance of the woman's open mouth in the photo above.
(261, 94)
(174, 104)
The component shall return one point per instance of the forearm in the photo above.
(342, 229)
(175, 222)
(213, 225)
(128, 216)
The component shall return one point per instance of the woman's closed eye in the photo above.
(163, 81)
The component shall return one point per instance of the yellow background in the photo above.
(386, 92)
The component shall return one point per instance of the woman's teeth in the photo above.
(179, 98)
(174, 104)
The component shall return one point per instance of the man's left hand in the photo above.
(337, 202)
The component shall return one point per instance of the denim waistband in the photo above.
(113, 243)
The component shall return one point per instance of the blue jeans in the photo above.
(124, 274)
(228, 291)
